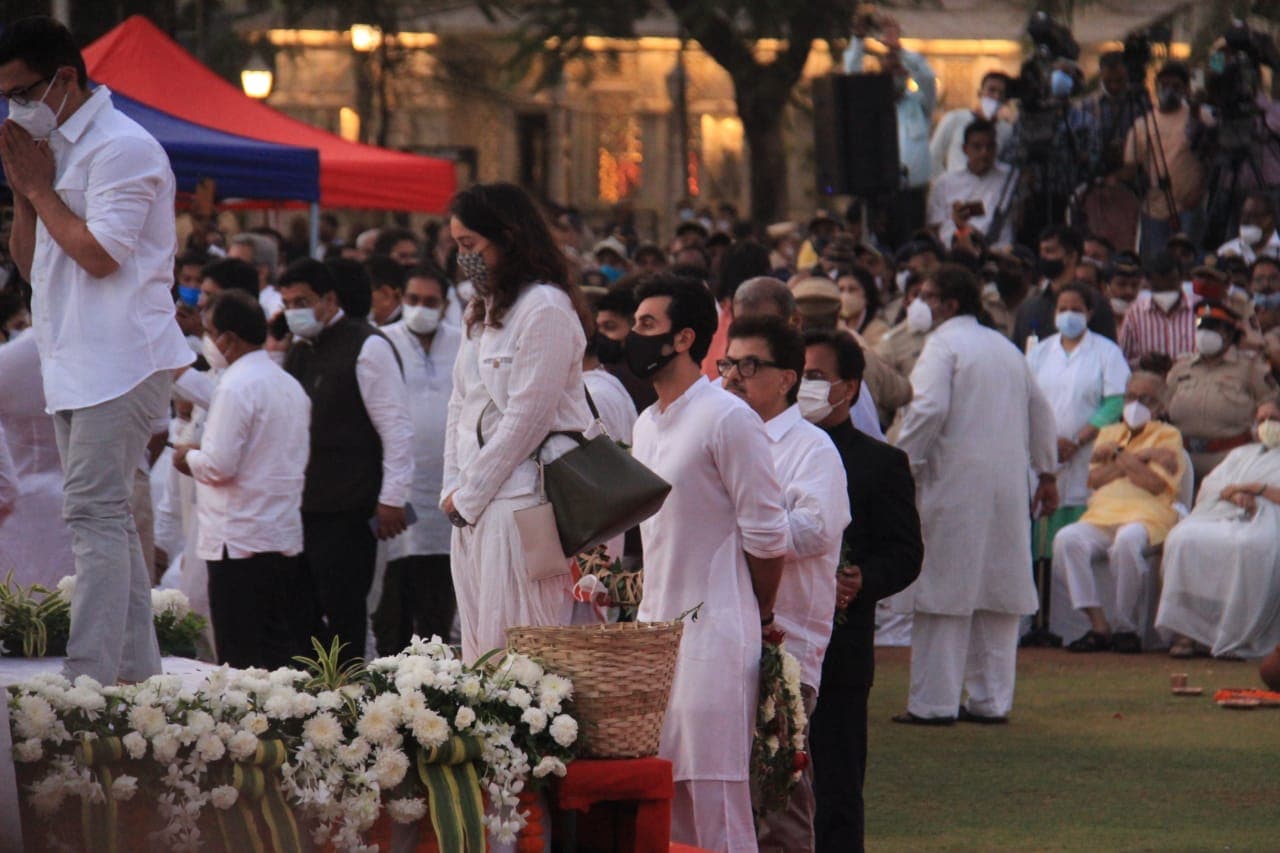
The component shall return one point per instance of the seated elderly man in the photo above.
(1133, 474)
(1222, 563)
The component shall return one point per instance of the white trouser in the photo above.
(1077, 546)
(713, 815)
(977, 654)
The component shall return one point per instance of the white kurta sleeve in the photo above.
(463, 370)
(386, 400)
(545, 354)
(1043, 429)
(928, 409)
(123, 186)
(225, 436)
(8, 479)
(817, 504)
(1115, 372)
(196, 386)
(741, 454)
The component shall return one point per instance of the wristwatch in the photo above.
(456, 519)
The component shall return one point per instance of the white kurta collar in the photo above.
(699, 385)
(778, 426)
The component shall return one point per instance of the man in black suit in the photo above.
(883, 553)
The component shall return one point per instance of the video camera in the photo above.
(1033, 87)
(1138, 51)
(1233, 80)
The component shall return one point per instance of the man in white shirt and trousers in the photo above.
(249, 469)
(763, 365)
(94, 233)
(976, 421)
(719, 541)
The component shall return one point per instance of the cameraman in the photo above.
(1114, 110)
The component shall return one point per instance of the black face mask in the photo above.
(644, 353)
(1051, 269)
(608, 351)
(1009, 283)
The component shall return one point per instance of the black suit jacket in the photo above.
(883, 539)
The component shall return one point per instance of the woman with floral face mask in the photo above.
(1222, 563)
(1216, 390)
(860, 305)
(518, 378)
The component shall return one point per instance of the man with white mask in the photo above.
(947, 145)
(1161, 320)
(94, 233)
(1134, 473)
(1258, 234)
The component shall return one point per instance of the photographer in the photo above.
(1114, 110)
(962, 203)
(947, 145)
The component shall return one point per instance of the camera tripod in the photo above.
(1243, 150)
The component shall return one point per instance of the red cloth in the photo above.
(719, 344)
(647, 782)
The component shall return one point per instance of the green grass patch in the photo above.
(1099, 755)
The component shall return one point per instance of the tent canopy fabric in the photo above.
(136, 59)
(239, 167)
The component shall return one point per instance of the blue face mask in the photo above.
(190, 296)
(1061, 83)
(611, 273)
(1266, 301)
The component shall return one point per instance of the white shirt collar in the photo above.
(778, 426)
(78, 122)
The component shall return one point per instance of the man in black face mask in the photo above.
(1007, 275)
(1060, 250)
(614, 312)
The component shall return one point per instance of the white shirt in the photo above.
(531, 370)
(865, 416)
(814, 487)
(1075, 384)
(428, 378)
(947, 145)
(1246, 253)
(8, 478)
(914, 108)
(252, 462)
(100, 337)
(725, 503)
(617, 409)
(963, 185)
(271, 300)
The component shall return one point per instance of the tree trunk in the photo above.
(761, 106)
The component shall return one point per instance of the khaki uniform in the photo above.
(901, 347)
(890, 389)
(1216, 401)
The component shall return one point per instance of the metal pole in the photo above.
(61, 10)
(315, 227)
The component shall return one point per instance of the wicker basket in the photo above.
(621, 679)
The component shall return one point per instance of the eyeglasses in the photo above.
(747, 365)
(23, 96)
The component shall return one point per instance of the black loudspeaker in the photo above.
(855, 134)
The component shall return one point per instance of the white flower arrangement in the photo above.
(778, 751)
(351, 738)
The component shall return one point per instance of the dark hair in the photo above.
(786, 344)
(1174, 68)
(649, 249)
(1092, 237)
(232, 274)
(1067, 236)
(388, 238)
(744, 260)
(329, 219)
(44, 45)
(620, 302)
(384, 272)
(702, 253)
(851, 363)
(1081, 289)
(997, 75)
(1262, 260)
(316, 274)
(431, 271)
(692, 307)
(193, 258)
(1111, 59)
(12, 303)
(979, 125)
(868, 284)
(958, 284)
(1261, 196)
(241, 314)
(351, 281)
(504, 215)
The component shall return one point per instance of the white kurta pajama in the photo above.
(976, 419)
(1222, 567)
(725, 503)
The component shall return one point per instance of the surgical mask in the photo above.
(1266, 301)
(303, 322)
(1250, 234)
(421, 319)
(1071, 323)
(1170, 99)
(852, 304)
(919, 316)
(1269, 434)
(1118, 305)
(189, 295)
(36, 117)
(814, 399)
(475, 269)
(1136, 415)
(1051, 268)
(608, 351)
(1061, 83)
(644, 353)
(212, 354)
(1209, 342)
(1166, 299)
(611, 273)
(989, 107)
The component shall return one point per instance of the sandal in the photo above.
(1182, 648)
(1092, 641)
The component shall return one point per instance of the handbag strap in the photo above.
(576, 436)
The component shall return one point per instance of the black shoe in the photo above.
(910, 719)
(1040, 638)
(967, 716)
(1126, 643)
(1092, 641)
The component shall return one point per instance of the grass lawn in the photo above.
(1098, 755)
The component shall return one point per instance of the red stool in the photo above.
(622, 805)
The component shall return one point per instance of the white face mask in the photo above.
(212, 354)
(303, 322)
(36, 117)
(421, 319)
(989, 107)
(1209, 342)
(1269, 434)
(1136, 415)
(919, 316)
(814, 399)
(1118, 305)
(1166, 299)
(1071, 323)
(1250, 234)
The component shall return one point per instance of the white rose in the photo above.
(254, 722)
(123, 788)
(525, 670)
(210, 747)
(279, 704)
(549, 766)
(67, 586)
(464, 718)
(535, 719)
(323, 731)
(242, 745)
(135, 744)
(304, 704)
(564, 729)
(518, 697)
(199, 723)
(29, 751)
(164, 747)
(429, 728)
(406, 810)
(146, 719)
(33, 717)
(86, 699)
(224, 797)
(389, 768)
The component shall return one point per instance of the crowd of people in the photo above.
(348, 442)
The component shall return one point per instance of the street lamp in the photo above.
(365, 38)
(257, 78)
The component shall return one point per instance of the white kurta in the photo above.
(1222, 568)
(725, 501)
(813, 483)
(428, 377)
(1075, 384)
(977, 414)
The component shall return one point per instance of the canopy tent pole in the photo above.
(315, 227)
